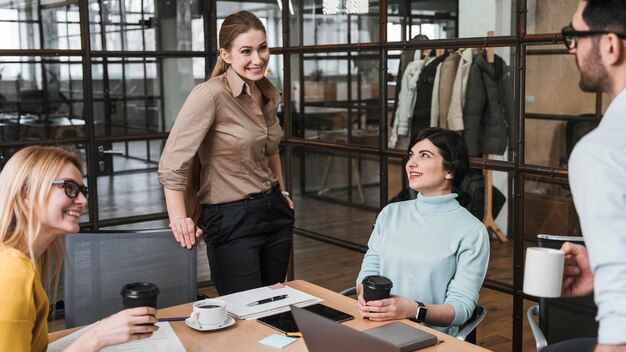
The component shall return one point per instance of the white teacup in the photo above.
(543, 272)
(208, 312)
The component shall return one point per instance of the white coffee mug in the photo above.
(543, 272)
(208, 312)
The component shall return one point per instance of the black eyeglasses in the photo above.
(570, 36)
(72, 189)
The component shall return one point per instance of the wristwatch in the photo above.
(420, 316)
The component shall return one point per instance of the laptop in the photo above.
(324, 335)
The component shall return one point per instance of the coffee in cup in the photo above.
(543, 272)
(139, 294)
(208, 312)
(376, 287)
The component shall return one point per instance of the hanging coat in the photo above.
(486, 116)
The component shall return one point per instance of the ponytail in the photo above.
(192, 202)
(220, 67)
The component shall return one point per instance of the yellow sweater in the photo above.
(23, 304)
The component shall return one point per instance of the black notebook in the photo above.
(405, 337)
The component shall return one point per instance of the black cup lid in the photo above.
(377, 282)
(140, 289)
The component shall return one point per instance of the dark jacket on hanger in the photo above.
(486, 115)
(425, 83)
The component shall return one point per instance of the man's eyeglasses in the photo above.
(570, 36)
(72, 189)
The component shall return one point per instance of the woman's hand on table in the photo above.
(185, 231)
(395, 307)
(121, 327)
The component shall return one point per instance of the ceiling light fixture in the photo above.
(280, 6)
(357, 6)
(330, 7)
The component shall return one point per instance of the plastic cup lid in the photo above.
(378, 282)
(140, 289)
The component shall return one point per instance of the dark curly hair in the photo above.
(452, 148)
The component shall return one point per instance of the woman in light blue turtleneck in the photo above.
(434, 251)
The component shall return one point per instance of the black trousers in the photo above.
(585, 344)
(249, 241)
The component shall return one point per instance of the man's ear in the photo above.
(449, 176)
(225, 55)
(614, 50)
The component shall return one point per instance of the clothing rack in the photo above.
(488, 220)
(491, 57)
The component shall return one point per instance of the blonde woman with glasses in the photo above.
(41, 198)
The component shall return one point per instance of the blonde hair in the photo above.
(25, 184)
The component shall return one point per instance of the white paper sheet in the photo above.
(237, 303)
(163, 340)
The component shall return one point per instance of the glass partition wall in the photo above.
(108, 77)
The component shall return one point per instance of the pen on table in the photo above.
(293, 334)
(267, 300)
(173, 319)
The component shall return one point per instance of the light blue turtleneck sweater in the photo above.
(433, 250)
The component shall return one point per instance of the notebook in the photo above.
(324, 335)
(237, 304)
(405, 337)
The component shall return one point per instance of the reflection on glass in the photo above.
(59, 24)
(337, 176)
(447, 19)
(137, 155)
(130, 93)
(21, 19)
(548, 208)
(397, 185)
(140, 193)
(548, 16)
(146, 25)
(317, 22)
(558, 113)
(339, 99)
(41, 98)
(496, 219)
(434, 19)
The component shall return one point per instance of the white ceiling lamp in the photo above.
(280, 6)
(357, 6)
(330, 7)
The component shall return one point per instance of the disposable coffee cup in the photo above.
(139, 294)
(543, 272)
(208, 312)
(376, 287)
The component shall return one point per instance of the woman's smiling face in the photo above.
(61, 213)
(248, 55)
(425, 171)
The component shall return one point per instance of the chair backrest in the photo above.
(566, 318)
(467, 331)
(98, 264)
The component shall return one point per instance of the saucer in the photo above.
(228, 322)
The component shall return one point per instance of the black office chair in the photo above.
(467, 331)
(561, 318)
(99, 263)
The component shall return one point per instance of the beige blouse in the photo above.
(233, 137)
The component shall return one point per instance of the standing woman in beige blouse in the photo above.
(222, 155)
